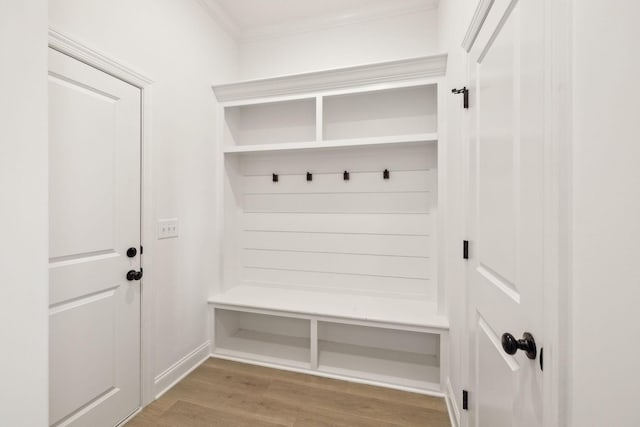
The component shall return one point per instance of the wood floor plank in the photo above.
(416, 399)
(231, 380)
(216, 397)
(186, 414)
(149, 415)
(346, 403)
(232, 394)
(387, 394)
(334, 419)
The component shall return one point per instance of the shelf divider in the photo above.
(319, 119)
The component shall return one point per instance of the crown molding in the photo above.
(347, 17)
(220, 15)
(383, 72)
(322, 22)
(482, 11)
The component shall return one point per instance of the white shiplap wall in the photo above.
(366, 235)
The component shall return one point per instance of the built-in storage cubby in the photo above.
(276, 339)
(329, 187)
(390, 112)
(385, 355)
(270, 122)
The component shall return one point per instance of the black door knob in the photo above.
(527, 344)
(131, 252)
(134, 275)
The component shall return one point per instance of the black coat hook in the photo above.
(309, 176)
(385, 174)
(465, 93)
(345, 176)
(274, 177)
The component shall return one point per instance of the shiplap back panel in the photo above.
(366, 235)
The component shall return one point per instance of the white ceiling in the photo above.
(256, 17)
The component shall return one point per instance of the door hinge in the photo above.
(465, 400)
(465, 249)
(141, 249)
(465, 94)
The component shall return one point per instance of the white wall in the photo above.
(605, 380)
(23, 212)
(376, 40)
(178, 45)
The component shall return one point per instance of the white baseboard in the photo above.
(452, 405)
(183, 367)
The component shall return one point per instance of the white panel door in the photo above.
(94, 205)
(506, 201)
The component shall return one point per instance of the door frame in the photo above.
(557, 301)
(80, 51)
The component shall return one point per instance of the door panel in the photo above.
(82, 163)
(87, 327)
(506, 215)
(496, 181)
(497, 379)
(94, 199)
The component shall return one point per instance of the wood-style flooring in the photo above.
(223, 393)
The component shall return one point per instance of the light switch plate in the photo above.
(167, 228)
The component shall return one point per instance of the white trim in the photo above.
(558, 224)
(452, 405)
(315, 23)
(183, 367)
(147, 238)
(82, 52)
(440, 214)
(346, 17)
(129, 418)
(220, 15)
(96, 59)
(481, 13)
(323, 374)
(317, 81)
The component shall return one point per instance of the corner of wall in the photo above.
(183, 367)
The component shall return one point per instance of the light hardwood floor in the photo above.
(222, 393)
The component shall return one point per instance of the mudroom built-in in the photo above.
(307, 213)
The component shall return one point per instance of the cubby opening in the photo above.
(272, 122)
(407, 358)
(267, 338)
(390, 112)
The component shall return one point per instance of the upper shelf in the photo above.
(370, 74)
(338, 143)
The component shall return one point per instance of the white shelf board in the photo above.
(273, 348)
(389, 366)
(335, 143)
(397, 311)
